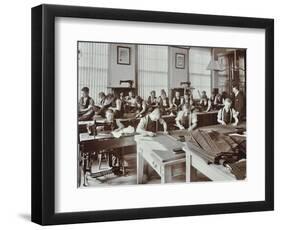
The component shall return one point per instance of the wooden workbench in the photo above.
(214, 172)
(158, 153)
(104, 141)
(204, 119)
(195, 162)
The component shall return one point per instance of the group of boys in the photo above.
(151, 110)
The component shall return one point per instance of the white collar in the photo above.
(236, 93)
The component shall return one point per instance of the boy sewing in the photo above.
(187, 98)
(86, 105)
(228, 115)
(204, 103)
(146, 125)
(186, 118)
(115, 159)
(177, 100)
(152, 99)
(112, 124)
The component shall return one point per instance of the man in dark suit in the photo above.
(239, 102)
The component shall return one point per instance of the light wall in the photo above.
(119, 72)
(176, 76)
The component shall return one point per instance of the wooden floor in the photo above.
(131, 177)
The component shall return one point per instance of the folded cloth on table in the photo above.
(213, 146)
(127, 130)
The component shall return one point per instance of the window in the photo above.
(152, 69)
(93, 67)
(200, 77)
(223, 76)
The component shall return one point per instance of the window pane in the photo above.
(200, 77)
(152, 69)
(93, 67)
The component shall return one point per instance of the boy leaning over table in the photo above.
(228, 115)
(146, 126)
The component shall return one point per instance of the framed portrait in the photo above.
(168, 129)
(180, 61)
(123, 55)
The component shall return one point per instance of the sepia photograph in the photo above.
(157, 114)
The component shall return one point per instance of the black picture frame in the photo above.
(127, 60)
(43, 113)
(180, 64)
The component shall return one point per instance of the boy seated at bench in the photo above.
(152, 99)
(204, 102)
(131, 99)
(147, 126)
(141, 107)
(186, 118)
(115, 159)
(117, 106)
(177, 101)
(187, 98)
(102, 105)
(228, 115)
(164, 103)
(112, 124)
(86, 106)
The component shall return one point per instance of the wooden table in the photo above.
(225, 129)
(207, 118)
(212, 171)
(195, 162)
(102, 142)
(204, 119)
(82, 125)
(229, 129)
(158, 153)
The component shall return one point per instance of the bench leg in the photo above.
(167, 176)
(188, 167)
(140, 168)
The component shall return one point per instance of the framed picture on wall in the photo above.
(123, 55)
(180, 61)
(106, 156)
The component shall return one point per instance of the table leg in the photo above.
(193, 173)
(99, 160)
(140, 167)
(188, 167)
(167, 176)
(79, 168)
(85, 165)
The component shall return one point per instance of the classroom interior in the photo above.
(146, 71)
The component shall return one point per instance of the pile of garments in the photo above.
(218, 148)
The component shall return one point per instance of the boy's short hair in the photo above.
(109, 111)
(101, 94)
(228, 100)
(138, 98)
(235, 86)
(85, 89)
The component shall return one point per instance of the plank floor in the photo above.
(131, 177)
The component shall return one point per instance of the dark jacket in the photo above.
(239, 103)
